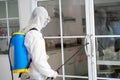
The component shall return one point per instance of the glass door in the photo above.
(65, 36)
(107, 35)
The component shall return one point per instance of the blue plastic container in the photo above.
(20, 59)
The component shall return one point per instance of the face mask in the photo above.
(45, 24)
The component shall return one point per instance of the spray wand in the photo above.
(68, 59)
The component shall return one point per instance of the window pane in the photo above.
(13, 8)
(59, 78)
(54, 51)
(14, 25)
(105, 48)
(53, 28)
(2, 9)
(107, 17)
(3, 46)
(73, 17)
(108, 57)
(76, 64)
(3, 27)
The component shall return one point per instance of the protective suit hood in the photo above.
(38, 14)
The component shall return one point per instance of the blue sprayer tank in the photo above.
(20, 55)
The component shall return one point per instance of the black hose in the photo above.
(71, 57)
(10, 60)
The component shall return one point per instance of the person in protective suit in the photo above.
(35, 44)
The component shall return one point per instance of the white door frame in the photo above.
(90, 31)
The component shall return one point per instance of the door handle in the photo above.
(87, 40)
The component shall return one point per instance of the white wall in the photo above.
(24, 12)
(25, 9)
(4, 67)
(5, 73)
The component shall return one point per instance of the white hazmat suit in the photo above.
(35, 44)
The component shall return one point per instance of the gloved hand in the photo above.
(55, 75)
(57, 71)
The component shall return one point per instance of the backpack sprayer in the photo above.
(68, 59)
(18, 55)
